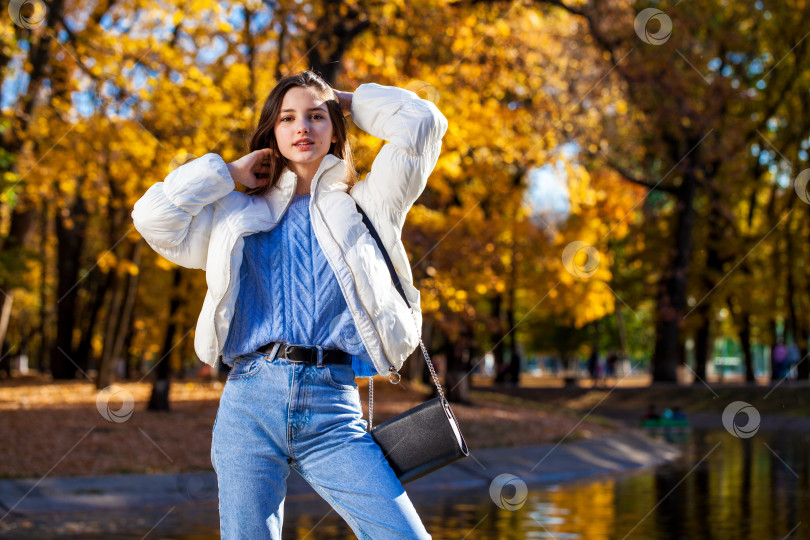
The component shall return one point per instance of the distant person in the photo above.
(601, 371)
(780, 357)
(593, 366)
(610, 364)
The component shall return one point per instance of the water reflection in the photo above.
(723, 488)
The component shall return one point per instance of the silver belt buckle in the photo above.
(287, 352)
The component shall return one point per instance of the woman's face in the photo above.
(303, 129)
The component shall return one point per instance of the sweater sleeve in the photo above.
(175, 216)
(414, 128)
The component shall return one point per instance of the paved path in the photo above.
(84, 499)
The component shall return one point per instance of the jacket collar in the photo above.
(250, 215)
(330, 176)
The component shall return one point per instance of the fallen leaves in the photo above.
(57, 429)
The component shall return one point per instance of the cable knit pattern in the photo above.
(289, 293)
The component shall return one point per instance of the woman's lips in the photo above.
(304, 146)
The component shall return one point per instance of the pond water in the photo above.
(723, 488)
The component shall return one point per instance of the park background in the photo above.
(622, 177)
(613, 179)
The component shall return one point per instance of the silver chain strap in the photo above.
(394, 377)
(432, 371)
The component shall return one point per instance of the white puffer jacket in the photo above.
(195, 219)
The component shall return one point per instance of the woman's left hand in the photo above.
(252, 170)
(345, 100)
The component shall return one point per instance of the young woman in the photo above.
(300, 301)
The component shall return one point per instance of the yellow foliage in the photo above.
(106, 261)
(164, 264)
(508, 108)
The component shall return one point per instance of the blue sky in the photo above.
(548, 187)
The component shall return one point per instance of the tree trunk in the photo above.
(70, 237)
(793, 296)
(434, 345)
(105, 363)
(497, 338)
(514, 260)
(5, 317)
(281, 41)
(100, 284)
(118, 320)
(22, 223)
(43, 359)
(672, 288)
(417, 361)
(714, 267)
(457, 378)
(123, 329)
(514, 354)
(745, 341)
(622, 331)
(335, 31)
(743, 321)
(159, 400)
(774, 342)
(703, 342)
(803, 369)
(129, 373)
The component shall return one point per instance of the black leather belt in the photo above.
(308, 355)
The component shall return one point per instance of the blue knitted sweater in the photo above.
(289, 293)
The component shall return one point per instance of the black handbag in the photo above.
(427, 437)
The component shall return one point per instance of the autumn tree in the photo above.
(722, 86)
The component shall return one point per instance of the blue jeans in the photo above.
(275, 414)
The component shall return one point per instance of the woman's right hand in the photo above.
(252, 170)
(345, 101)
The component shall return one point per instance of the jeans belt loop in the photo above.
(320, 356)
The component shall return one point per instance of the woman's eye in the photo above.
(286, 118)
(318, 116)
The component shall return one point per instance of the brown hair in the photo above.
(264, 136)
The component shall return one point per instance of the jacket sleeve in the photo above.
(175, 216)
(414, 128)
